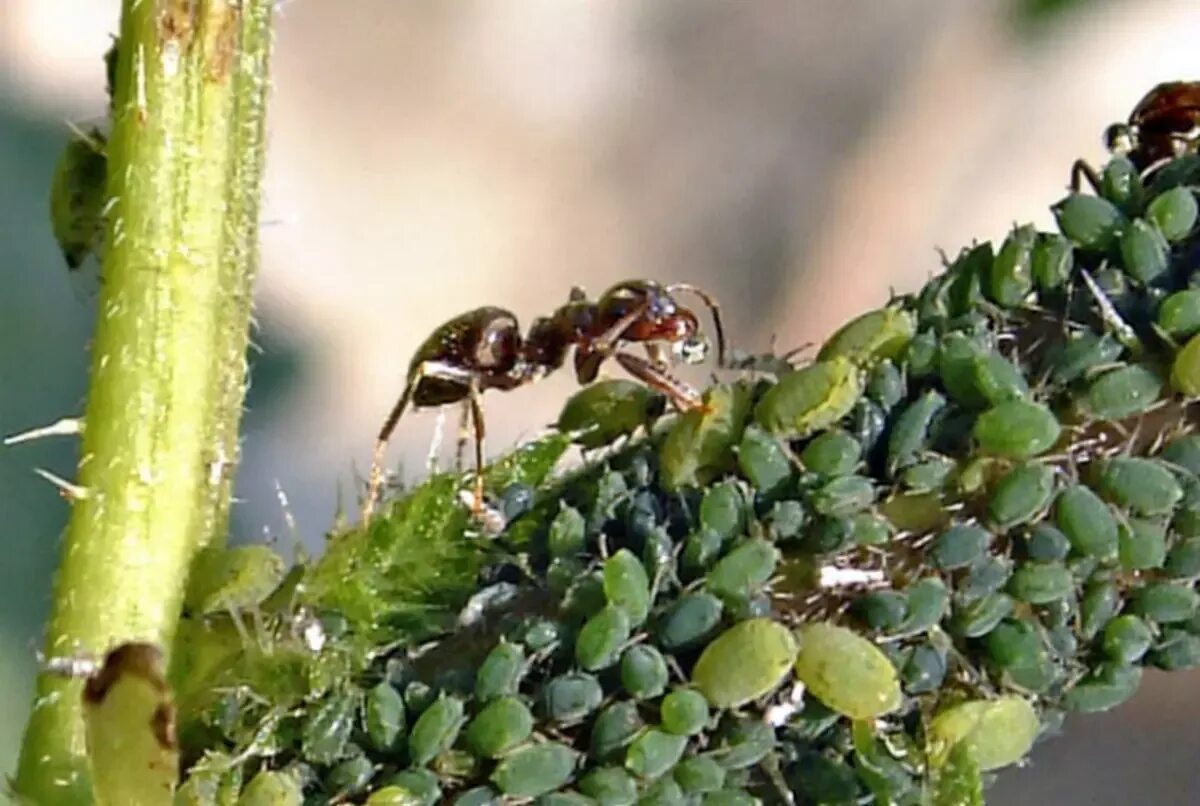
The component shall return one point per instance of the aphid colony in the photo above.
(873, 577)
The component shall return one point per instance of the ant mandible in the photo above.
(483, 349)
(1164, 124)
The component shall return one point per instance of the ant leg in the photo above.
(476, 406)
(657, 355)
(681, 394)
(713, 307)
(460, 444)
(431, 369)
(1081, 170)
(588, 359)
(435, 443)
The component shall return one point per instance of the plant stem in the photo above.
(168, 372)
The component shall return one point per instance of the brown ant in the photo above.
(1164, 124)
(483, 349)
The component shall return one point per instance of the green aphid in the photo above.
(684, 712)
(1144, 251)
(1144, 486)
(924, 669)
(868, 529)
(564, 797)
(663, 792)
(689, 621)
(611, 786)
(1121, 184)
(833, 453)
(1013, 644)
(1185, 370)
(1176, 650)
(786, 519)
(326, 731)
(1044, 543)
(1122, 392)
(1106, 688)
(700, 444)
(967, 274)
(910, 434)
(1142, 544)
(997, 732)
(763, 461)
(723, 509)
(885, 385)
(627, 586)
(78, 194)
(615, 727)
(1183, 561)
(881, 610)
(743, 571)
(570, 697)
(810, 399)
(1021, 494)
(1179, 314)
(1126, 639)
(843, 496)
(603, 412)
(986, 576)
(932, 473)
(957, 368)
(927, 602)
(700, 550)
(644, 674)
(1099, 603)
(921, 358)
(845, 671)
(978, 618)
(1083, 352)
(873, 336)
(1087, 522)
(699, 774)
(959, 546)
(1011, 278)
(1052, 261)
(475, 796)
(1090, 222)
(535, 770)
(821, 779)
(583, 600)
(383, 716)
(1165, 602)
(745, 662)
(567, 536)
(1017, 430)
(654, 753)
(601, 639)
(435, 730)
(1174, 213)
(349, 777)
(503, 724)
(1041, 583)
(742, 742)
(271, 788)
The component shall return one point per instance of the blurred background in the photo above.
(797, 159)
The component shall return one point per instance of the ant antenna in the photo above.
(711, 302)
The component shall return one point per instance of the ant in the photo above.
(483, 349)
(1164, 124)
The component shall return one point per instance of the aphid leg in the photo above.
(714, 307)
(681, 394)
(433, 369)
(476, 405)
(435, 443)
(1081, 170)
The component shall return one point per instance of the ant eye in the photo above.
(692, 350)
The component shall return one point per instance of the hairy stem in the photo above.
(168, 371)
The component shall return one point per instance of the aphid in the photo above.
(484, 349)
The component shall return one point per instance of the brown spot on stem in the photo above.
(162, 725)
(137, 658)
(222, 42)
(177, 22)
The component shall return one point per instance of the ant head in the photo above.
(1120, 138)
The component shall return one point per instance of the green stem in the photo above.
(168, 372)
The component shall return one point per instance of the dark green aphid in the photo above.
(1174, 213)
(730, 797)
(1143, 486)
(1126, 639)
(1013, 644)
(967, 275)
(700, 550)
(562, 575)
(1184, 452)
(601, 639)
(327, 730)
(873, 336)
(959, 546)
(744, 570)
(567, 536)
(1084, 352)
(349, 777)
(910, 434)
(611, 786)
(844, 496)
(627, 586)
(787, 519)
(502, 725)
(885, 385)
(930, 474)
(418, 695)
(684, 712)
(821, 779)
(603, 412)
(699, 774)
(1122, 392)
(742, 742)
(1041, 583)
(1017, 430)
(77, 198)
(663, 792)
(980, 617)
(833, 453)
(1099, 604)
(1179, 314)
(535, 770)
(689, 621)
(762, 461)
(435, 730)
(809, 399)
(723, 510)
(476, 796)
(1106, 688)
(958, 370)
(867, 423)
(1183, 561)
(1011, 278)
(570, 697)
(654, 753)
(1177, 650)
(614, 728)
(1044, 543)
(1087, 522)
(829, 535)
(986, 576)
(1165, 602)
(881, 610)
(921, 358)
(1121, 184)
(924, 670)
(927, 600)
(643, 672)
(1144, 251)
(1052, 261)
(1090, 222)
(584, 600)
(383, 716)
(1021, 494)
(658, 554)
(867, 529)
(1142, 544)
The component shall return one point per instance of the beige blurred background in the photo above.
(797, 159)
